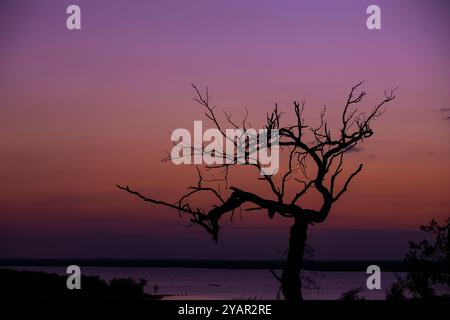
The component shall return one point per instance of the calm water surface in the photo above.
(199, 283)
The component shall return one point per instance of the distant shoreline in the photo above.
(331, 265)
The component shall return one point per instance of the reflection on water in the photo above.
(199, 283)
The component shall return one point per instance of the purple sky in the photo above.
(84, 110)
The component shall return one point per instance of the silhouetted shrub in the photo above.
(428, 263)
(39, 285)
(352, 294)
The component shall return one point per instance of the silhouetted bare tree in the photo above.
(306, 147)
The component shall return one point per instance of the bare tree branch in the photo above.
(323, 152)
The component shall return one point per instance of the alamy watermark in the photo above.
(227, 147)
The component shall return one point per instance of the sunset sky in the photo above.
(84, 110)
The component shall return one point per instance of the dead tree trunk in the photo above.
(291, 283)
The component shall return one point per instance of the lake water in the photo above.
(199, 283)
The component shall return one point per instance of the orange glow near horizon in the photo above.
(83, 112)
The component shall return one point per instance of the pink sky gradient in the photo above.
(84, 110)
